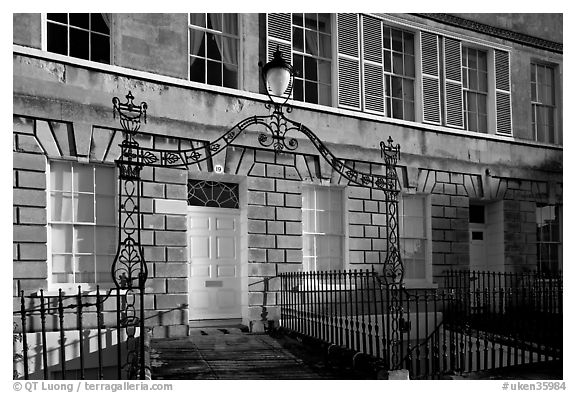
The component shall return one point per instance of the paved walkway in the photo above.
(229, 353)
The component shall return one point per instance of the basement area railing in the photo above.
(443, 331)
(76, 336)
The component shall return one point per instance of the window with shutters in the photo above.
(311, 58)
(214, 47)
(399, 73)
(475, 85)
(543, 103)
(464, 86)
(306, 42)
(85, 36)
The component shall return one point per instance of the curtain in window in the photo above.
(196, 36)
(107, 19)
(227, 46)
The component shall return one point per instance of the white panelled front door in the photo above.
(214, 259)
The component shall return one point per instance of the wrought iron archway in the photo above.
(280, 134)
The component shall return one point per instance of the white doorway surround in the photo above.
(214, 261)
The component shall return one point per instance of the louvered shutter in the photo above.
(373, 80)
(279, 35)
(348, 61)
(453, 106)
(430, 78)
(503, 100)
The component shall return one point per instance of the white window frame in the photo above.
(240, 64)
(84, 286)
(44, 38)
(488, 94)
(344, 236)
(427, 280)
(559, 243)
(556, 96)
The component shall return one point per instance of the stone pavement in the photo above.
(229, 353)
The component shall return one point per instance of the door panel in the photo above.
(213, 239)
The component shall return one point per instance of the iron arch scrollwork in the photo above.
(276, 132)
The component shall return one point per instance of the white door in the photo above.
(214, 258)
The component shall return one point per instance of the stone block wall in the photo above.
(274, 222)
(29, 215)
(366, 227)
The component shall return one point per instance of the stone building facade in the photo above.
(487, 198)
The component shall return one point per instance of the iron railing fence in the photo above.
(76, 336)
(442, 330)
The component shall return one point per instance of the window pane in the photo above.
(409, 69)
(62, 269)
(80, 20)
(323, 222)
(398, 63)
(311, 92)
(310, 69)
(386, 37)
(309, 218)
(311, 42)
(100, 47)
(105, 181)
(84, 236)
(85, 269)
(387, 61)
(297, 19)
(396, 87)
(408, 89)
(325, 95)
(397, 109)
(298, 90)
(104, 268)
(396, 40)
(98, 24)
(57, 38)
(325, 45)
(79, 44)
(311, 21)
(197, 42)
(214, 74)
(198, 20)
(308, 245)
(298, 39)
(230, 76)
(414, 227)
(324, 23)
(105, 240)
(83, 177)
(408, 43)
(212, 50)
(197, 69)
(105, 210)
(215, 21)
(61, 239)
(324, 71)
(298, 64)
(60, 176)
(62, 18)
(61, 206)
(83, 208)
(230, 23)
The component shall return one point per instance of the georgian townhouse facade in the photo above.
(474, 100)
